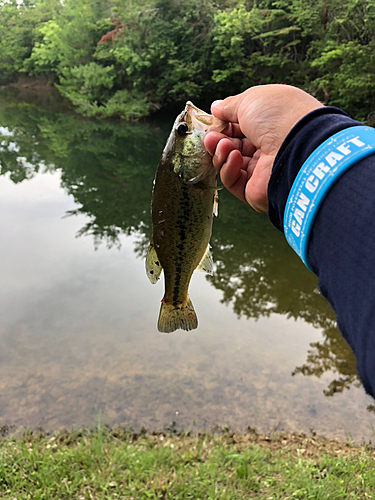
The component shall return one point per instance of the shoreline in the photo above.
(308, 444)
(105, 464)
(35, 84)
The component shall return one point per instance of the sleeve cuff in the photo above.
(313, 129)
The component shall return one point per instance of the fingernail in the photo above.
(216, 102)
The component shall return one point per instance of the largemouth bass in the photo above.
(183, 202)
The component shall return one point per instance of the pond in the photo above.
(78, 330)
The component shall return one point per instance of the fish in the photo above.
(183, 202)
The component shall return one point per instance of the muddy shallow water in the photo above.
(78, 316)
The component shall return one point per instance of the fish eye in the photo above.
(182, 129)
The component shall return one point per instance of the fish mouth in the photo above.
(202, 120)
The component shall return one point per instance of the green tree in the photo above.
(342, 61)
(160, 53)
(65, 41)
(15, 38)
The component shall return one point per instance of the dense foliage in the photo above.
(129, 58)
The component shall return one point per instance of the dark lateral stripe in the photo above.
(182, 229)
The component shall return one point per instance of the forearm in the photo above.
(342, 243)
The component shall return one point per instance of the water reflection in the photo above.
(259, 277)
(331, 355)
(109, 167)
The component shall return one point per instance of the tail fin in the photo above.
(172, 317)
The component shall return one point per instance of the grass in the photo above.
(118, 464)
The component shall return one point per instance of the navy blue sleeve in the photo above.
(342, 242)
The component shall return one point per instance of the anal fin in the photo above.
(207, 264)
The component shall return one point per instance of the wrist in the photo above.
(306, 136)
(318, 174)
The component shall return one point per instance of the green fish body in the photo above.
(184, 200)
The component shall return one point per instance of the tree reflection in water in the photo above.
(108, 167)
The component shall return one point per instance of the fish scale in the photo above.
(182, 213)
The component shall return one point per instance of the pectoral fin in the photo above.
(153, 266)
(216, 204)
(206, 264)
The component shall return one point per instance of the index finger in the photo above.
(233, 130)
(244, 146)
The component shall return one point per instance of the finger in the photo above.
(233, 130)
(227, 109)
(247, 147)
(233, 174)
(212, 140)
(224, 147)
(236, 130)
(259, 171)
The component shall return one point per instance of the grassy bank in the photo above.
(118, 464)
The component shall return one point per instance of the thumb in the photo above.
(227, 109)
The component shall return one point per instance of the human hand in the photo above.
(259, 120)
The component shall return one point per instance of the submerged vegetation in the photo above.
(128, 59)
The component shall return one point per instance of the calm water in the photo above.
(78, 315)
